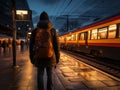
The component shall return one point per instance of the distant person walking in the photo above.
(10, 45)
(4, 45)
(44, 50)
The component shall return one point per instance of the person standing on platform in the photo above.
(44, 50)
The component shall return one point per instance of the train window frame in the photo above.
(73, 37)
(112, 29)
(94, 35)
(102, 32)
(89, 35)
(69, 38)
(118, 27)
(62, 38)
(78, 37)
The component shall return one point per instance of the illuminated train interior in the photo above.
(101, 39)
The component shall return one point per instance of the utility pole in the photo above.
(14, 33)
(67, 22)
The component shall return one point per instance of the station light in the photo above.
(19, 28)
(23, 15)
(29, 33)
(21, 12)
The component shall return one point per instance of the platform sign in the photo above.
(23, 15)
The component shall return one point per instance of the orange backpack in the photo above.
(43, 46)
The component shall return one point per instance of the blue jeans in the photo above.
(40, 80)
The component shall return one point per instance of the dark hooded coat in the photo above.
(45, 61)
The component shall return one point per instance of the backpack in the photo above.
(43, 46)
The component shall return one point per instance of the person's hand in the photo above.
(55, 66)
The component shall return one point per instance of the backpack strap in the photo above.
(52, 34)
(52, 31)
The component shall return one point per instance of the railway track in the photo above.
(105, 65)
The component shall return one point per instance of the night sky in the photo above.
(79, 13)
(39, 6)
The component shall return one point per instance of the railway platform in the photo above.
(70, 74)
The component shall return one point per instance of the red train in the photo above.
(101, 39)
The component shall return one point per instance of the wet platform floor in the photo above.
(70, 74)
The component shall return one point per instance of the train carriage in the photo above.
(101, 39)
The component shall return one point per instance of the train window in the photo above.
(82, 36)
(102, 33)
(73, 37)
(61, 38)
(112, 31)
(69, 38)
(94, 34)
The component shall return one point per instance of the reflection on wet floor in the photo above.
(22, 77)
(83, 77)
(70, 74)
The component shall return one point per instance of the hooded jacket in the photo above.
(44, 24)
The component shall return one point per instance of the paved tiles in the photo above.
(70, 74)
(83, 77)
